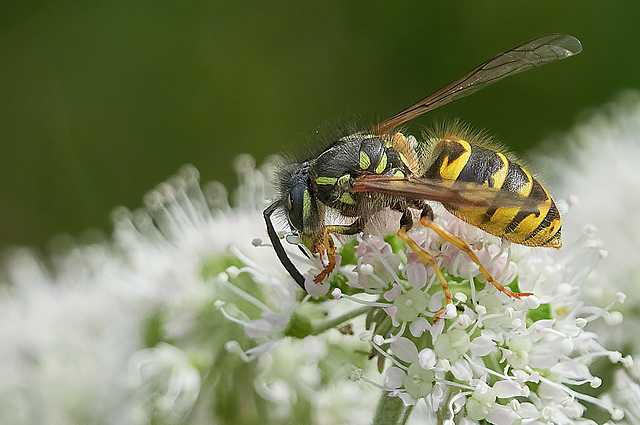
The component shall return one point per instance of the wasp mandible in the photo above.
(361, 174)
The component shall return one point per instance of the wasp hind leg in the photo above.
(406, 223)
(427, 221)
(330, 248)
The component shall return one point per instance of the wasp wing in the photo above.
(540, 51)
(452, 194)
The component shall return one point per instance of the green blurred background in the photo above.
(102, 100)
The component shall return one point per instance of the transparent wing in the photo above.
(456, 194)
(540, 51)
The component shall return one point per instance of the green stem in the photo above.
(390, 410)
(336, 321)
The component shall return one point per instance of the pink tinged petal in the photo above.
(435, 303)
(436, 398)
(462, 370)
(436, 329)
(406, 399)
(427, 358)
(412, 257)
(261, 349)
(502, 415)
(418, 326)
(405, 349)
(316, 290)
(391, 311)
(481, 346)
(392, 293)
(507, 389)
(393, 378)
(416, 275)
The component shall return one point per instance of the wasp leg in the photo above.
(406, 223)
(355, 227)
(427, 221)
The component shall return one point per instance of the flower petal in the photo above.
(418, 326)
(405, 349)
(481, 346)
(507, 389)
(462, 370)
(393, 378)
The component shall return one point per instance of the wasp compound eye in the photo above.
(297, 206)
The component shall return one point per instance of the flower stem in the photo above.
(336, 321)
(389, 411)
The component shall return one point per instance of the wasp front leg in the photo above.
(330, 248)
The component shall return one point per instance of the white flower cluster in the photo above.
(492, 357)
(187, 317)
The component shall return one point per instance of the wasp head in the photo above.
(300, 205)
(303, 212)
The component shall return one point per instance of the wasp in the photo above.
(361, 174)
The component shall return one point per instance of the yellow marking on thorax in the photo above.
(500, 175)
(326, 180)
(365, 161)
(306, 205)
(382, 164)
(451, 171)
(347, 199)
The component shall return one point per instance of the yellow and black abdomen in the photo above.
(457, 160)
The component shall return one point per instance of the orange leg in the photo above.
(330, 248)
(428, 260)
(465, 247)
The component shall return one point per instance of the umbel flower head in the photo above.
(188, 317)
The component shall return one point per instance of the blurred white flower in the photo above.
(603, 186)
(598, 173)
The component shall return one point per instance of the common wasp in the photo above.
(363, 173)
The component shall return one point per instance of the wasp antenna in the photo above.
(277, 246)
